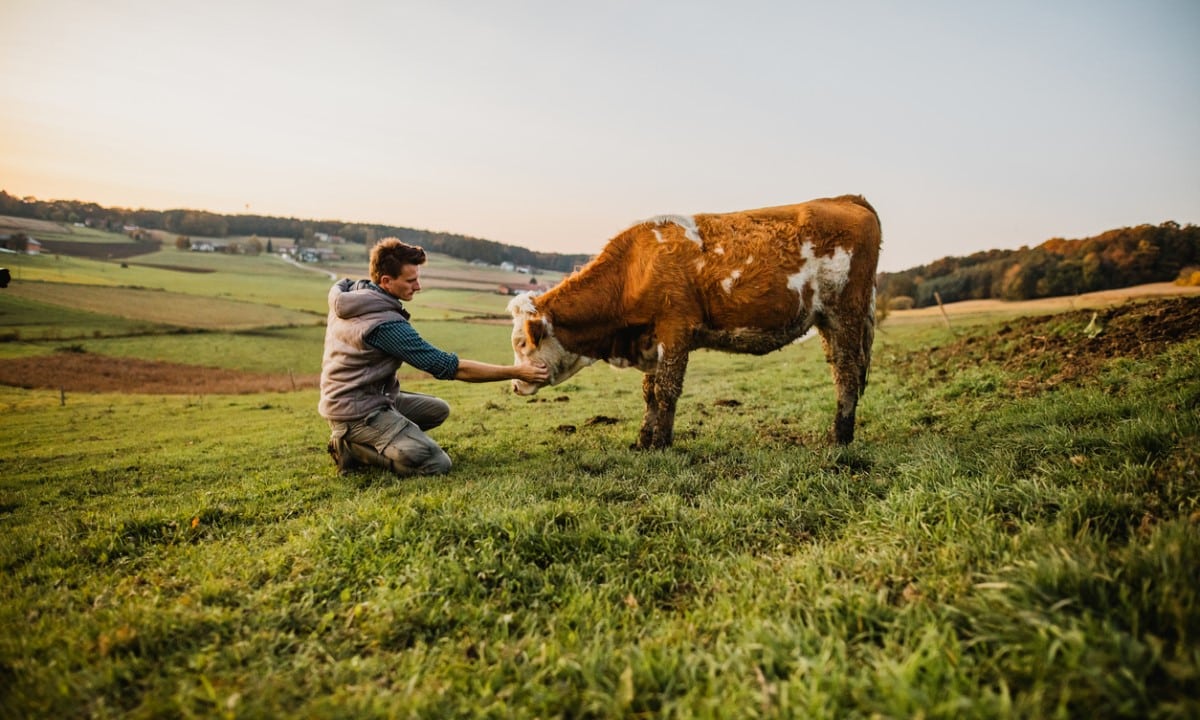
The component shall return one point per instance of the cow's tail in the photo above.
(868, 340)
(868, 332)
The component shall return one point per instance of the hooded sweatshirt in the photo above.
(358, 378)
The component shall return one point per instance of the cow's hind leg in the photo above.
(848, 351)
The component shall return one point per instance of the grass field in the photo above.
(47, 230)
(1014, 533)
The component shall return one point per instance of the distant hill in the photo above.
(1114, 259)
(206, 224)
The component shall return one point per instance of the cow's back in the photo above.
(777, 267)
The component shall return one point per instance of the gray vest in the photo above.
(357, 379)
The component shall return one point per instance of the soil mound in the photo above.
(1068, 347)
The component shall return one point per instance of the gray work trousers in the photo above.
(394, 438)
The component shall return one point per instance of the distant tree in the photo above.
(270, 247)
(183, 242)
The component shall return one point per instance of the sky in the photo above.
(555, 124)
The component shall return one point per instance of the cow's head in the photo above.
(533, 339)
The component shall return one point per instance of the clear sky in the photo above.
(555, 124)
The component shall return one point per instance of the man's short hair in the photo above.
(390, 254)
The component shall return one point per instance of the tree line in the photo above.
(201, 223)
(1113, 259)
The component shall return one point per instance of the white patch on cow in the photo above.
(749, 259)
(719, 250)
(523, 304)
(686, 222)
(657, 235)
(812, 333)
(827, 276)
(661, 351)
(727, 283)
(699, 264)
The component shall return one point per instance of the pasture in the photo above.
(1014, 532)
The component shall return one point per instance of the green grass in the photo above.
(1026, 557)
(975, 552)
(262, 280)
(161, 307)
(29, 320)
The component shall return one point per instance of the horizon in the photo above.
(553, 127)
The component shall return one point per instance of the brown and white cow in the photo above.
(747, 282)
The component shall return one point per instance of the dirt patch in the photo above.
(1044, 352)
(88, 372)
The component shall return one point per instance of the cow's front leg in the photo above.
(668, 386)
(650, 418)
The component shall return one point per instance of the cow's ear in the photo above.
(535, 329)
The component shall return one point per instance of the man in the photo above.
(367, 338)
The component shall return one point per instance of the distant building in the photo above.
(21, 243)
(517, 288)
(309, 255)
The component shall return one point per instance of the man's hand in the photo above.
(532, 371)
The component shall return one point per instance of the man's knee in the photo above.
(436, 412)
(426, 411)
(438, 464)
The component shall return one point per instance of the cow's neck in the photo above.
(585, 309)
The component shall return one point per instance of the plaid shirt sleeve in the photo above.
(399, 339)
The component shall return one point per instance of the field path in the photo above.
(332, 275)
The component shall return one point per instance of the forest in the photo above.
(200, 223)
(1114, 259)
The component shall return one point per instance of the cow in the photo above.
(743, 282)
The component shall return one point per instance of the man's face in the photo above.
(404, 285)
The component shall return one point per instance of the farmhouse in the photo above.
(309, 255)
(516, 289)
(21, 243)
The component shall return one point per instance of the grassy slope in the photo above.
(968, 554)
(973, 553)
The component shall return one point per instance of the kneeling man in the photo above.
(367, 337)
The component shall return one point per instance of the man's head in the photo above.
(394, 267)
